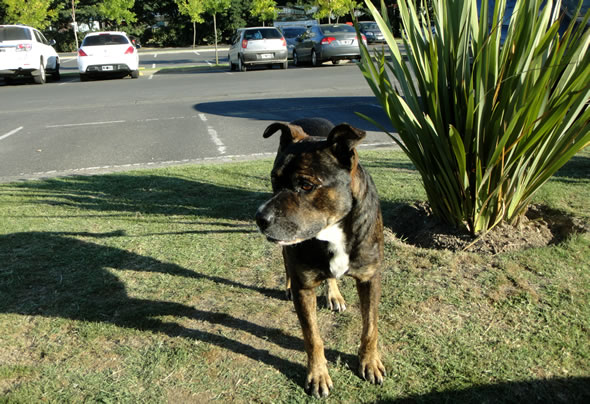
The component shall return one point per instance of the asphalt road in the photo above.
(169, 116)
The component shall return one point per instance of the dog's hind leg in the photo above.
(288, 294)
(335, 300)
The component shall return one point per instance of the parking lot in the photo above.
(179, 111)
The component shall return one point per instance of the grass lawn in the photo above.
(155, 286)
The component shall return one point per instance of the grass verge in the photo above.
(154, 286)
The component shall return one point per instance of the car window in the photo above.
(14, 34)
(262, 33)
(40, 38)
(105, 39)
(293, 32)
(334, 29)
(371, 26)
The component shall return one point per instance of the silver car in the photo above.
(264, 46)
(325, 42)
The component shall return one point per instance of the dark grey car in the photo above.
(291, 33)
(371, 31)
(325, 42)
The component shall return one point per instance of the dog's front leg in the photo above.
(370, 367)
(318, 382)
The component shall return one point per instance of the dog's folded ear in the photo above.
(289, 133)
(343, 139)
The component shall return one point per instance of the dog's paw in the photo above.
(336, 303)
(335, 300)
(318, 383)
(371, 369)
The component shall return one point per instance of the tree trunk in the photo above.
(75, 24)
(215, 29)
(194, 33)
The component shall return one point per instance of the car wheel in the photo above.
(314, 58)
(241, 65)
(285, 64)
(83, 77)
(135, 74)
(40, 78)
(295, 58)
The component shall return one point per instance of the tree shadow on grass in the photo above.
(55, 274)
(146, 194)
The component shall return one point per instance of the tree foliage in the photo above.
(35, 13)
(266, 10)
(118, 10)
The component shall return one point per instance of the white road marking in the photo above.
(214, 136)
(153, 65)
(65, 125)
(197, 53)
(12, 132)
(155, 55)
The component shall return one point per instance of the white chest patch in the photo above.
(336, 243)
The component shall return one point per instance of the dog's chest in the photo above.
(339, 263)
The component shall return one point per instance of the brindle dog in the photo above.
(325, 213)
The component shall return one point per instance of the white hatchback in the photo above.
(25, 52)
(107, 54)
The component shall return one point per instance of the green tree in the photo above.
(215, 7)
(266, 10)
(194, 10)
(118, 11)
(35, 13)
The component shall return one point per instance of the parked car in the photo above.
(107, 54)
(264, 46)
(371, 31)
(291, 33)
(25, 52)
(325, 42)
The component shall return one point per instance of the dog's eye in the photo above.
(306, 186)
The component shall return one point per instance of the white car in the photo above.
(25, 52)
(107, 54)
(252, 46)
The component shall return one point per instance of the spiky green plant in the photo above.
(486, 120)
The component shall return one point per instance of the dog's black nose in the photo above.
(264, 219)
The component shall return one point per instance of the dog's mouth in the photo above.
(284, 242)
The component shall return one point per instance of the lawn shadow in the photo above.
(556, 390)
(147, 194)
(56, 274)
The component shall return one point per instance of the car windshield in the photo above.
(371, 26)
(14, 34)
(335, 29)
(293, 32)
(262, 33)
(105, 39)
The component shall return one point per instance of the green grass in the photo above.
(155, 286)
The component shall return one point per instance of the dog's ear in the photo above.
(289, 133)
(343, 139)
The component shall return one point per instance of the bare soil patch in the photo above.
(416, 225)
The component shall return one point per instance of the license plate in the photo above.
(266, 56)
(346, 42)
(106, 68)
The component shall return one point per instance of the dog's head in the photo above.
(312, 182)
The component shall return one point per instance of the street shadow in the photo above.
(149, 194)
(56, 274)
(339, 109)
(556, 390)
(578, 167)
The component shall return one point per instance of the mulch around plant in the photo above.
(541, 226)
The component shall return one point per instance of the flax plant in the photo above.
(486, 117)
